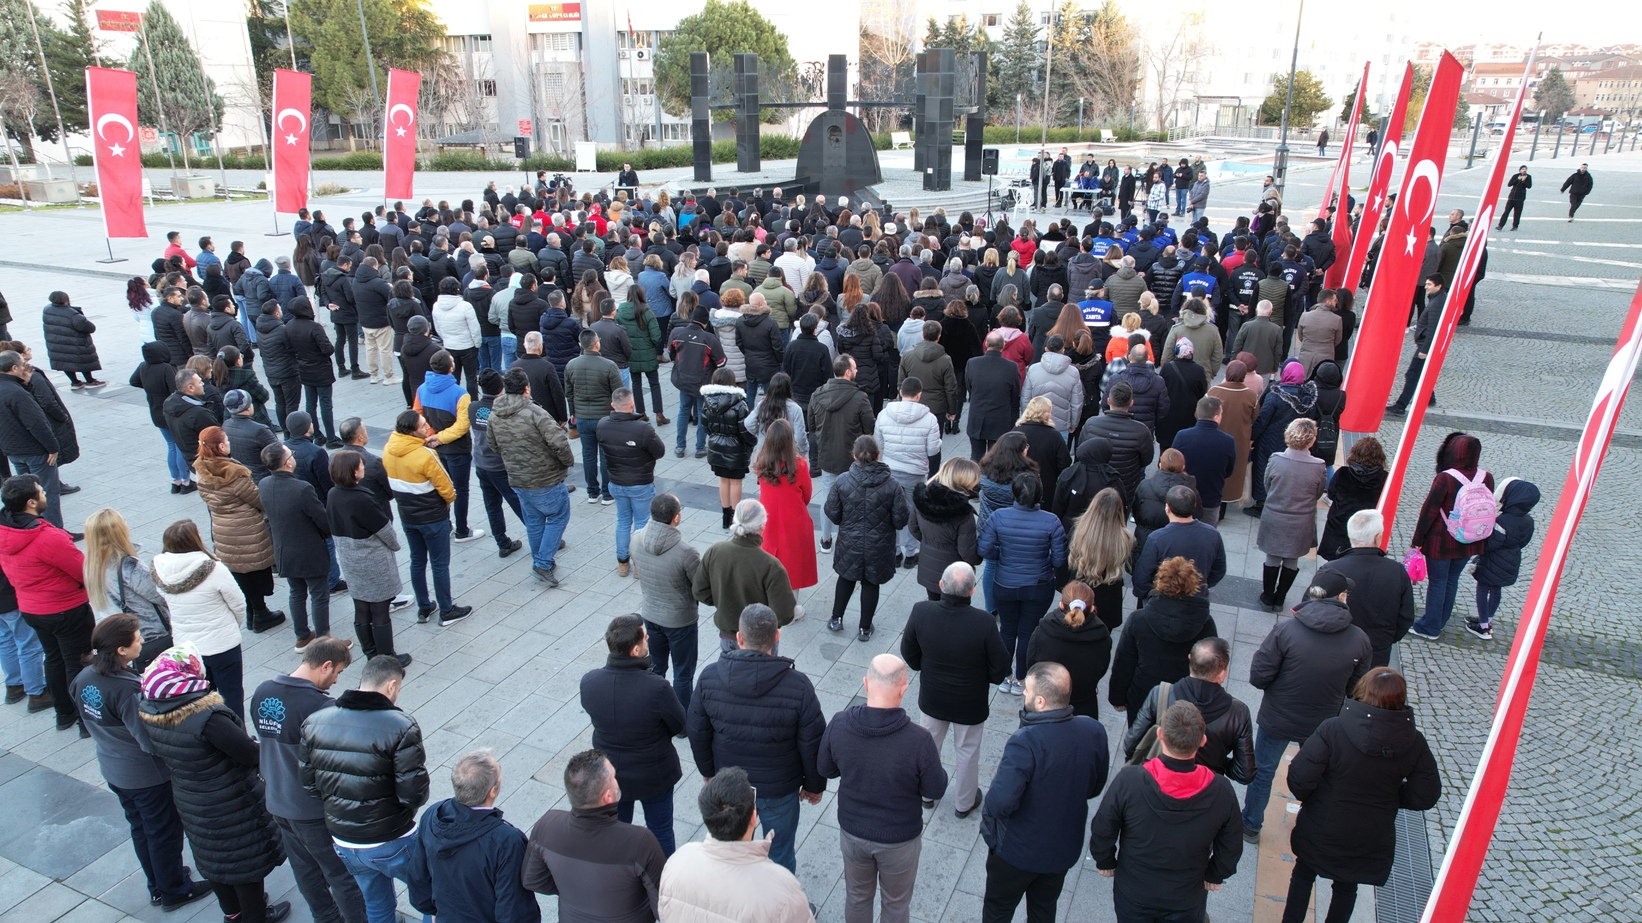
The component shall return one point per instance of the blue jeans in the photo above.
(780, 814)
(1440, 593)
(632, 513)
(1268, 752)
(429, 541)
(334, 576)
(1180, 200)
(682, 647)
(175, 461)
(36, 465)
(375, 868)
(658, 816)
(1487, 603)
(595, 468)
(752, 390)
(22, 659)
(495, 490)
(156, 836)
(459, 466)
(626, 378)
(989, 585)
(821, 494)
(509, 348)
(687, 403)
(490, 353)
(546, 514)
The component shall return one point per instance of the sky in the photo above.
(1518, 21)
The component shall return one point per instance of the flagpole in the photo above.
(154, 80)
(62, 133)
(211, 111)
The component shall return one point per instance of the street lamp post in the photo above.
(370, 61)
(1280, 167)
(1048, 68)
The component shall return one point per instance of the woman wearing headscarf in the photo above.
(1292, 398)
(1239, 405)
(214, 780)
(108, 692)
(1187, 383)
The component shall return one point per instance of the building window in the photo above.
(625, 39)
(481, 43)
(990, 20)
(487, 88)
(553, 81)
(1043, 19)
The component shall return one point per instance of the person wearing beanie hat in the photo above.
(696, 353)
(285, 284)
(214, 781)
(415, 355)
(246, 437)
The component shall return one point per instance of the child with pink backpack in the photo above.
(1500, 562)
(1458, 515)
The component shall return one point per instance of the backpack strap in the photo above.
(1464, 481)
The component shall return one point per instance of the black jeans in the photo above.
(156, 835)
(1301, 881)
(347, 335)
(1130, 912)
(869, 600)
(331, 892)
(678, 645)
(227, 672)
(1574, 202)
(319, 408)
(1513, 208)
(287, 398)
(495, 490)
(1411, 383)
(979, 447)
(467, 369)
(310, 593)
(373, 624)
(458, 466)
(245, 903)
(1006, 884)
(655, 390)
(66, 637)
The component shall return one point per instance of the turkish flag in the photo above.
(399, 134)
(292, 109)
(111, 108)
(1375, 362)
(1341, 230)
(1379, 182)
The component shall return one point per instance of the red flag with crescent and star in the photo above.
(1465, 276)
(292, 110)
(399, 134)
(1341, 229)
(111, 108)
(1385, 162)
(1374, 363)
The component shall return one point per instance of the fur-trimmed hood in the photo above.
(219, 472)
(940, 503)
(172, 712)
(176, 573)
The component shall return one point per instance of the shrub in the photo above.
(330, 189)
(357, 160)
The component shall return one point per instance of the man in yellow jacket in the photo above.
(424, 493)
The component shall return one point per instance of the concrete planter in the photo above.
(194, 187)
(52, 191)
(24, 173)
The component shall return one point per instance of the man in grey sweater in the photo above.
(665, 565)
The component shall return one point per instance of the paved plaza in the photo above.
(1521, 378)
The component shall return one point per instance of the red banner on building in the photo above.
(399, 134)
(111, 108)
(119, 20)
(1341, 229)
(1385, 162)
(1465, 277)
(1457, 877)
(292, 110)
(1374, 362)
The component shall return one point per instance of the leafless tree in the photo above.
(19, 103)
(1173, 62)
(888, 31)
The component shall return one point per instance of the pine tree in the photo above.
(188, 99)
(404, 34)
(1018, 59)
(69, 52)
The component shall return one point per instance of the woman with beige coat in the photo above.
(239, 532)
(1239, 404)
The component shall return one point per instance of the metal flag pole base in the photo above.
(111, 257)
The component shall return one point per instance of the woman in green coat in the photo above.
(644, 331)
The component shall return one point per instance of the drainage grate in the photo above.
(1402, 898)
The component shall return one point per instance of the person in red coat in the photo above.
(48, 572)
(1446, 556)
(784, 489)
(1017, 346)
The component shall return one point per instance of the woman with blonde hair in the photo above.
(872, 226)
(239, 531)
(620, 281)
(664, 208)
(1118, 346)
(116, 581)
(206, 606)
(1099, 553)
(1069, 636)
(943, 521)
(1295, 481)
(1044, 443)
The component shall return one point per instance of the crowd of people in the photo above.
(1122, 386)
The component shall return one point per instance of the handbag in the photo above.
(1414, 563)
(1150, 745)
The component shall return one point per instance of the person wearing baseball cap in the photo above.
(1306, 666)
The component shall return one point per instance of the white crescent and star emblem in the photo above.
(302, 120)
(399, 130)
(114, 148)
(1427, 171)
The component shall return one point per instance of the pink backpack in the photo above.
(1475, 509)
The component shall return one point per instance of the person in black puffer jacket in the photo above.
(415, 355)
(869, 507)
(404, 306)
(214, 782)
(868, 342)
(724, 411)
(278, 362)
(1165, 275)
(1157, 641)
(363, 760)
(224, 329)
(1293, 397)
(943, 521)
(1354, 487)
(1228, 724)
(68, 340)
(561, 334)
(756, 710)
(1131, 439)
(158, 378)
(1071, 636)
(311, 348)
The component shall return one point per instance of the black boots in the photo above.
(258, 618)
(1268, 585)
(1285, 582)
(728, 513)
(376, 637)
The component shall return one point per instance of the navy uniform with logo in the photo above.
(278, 709)
(108, 706)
